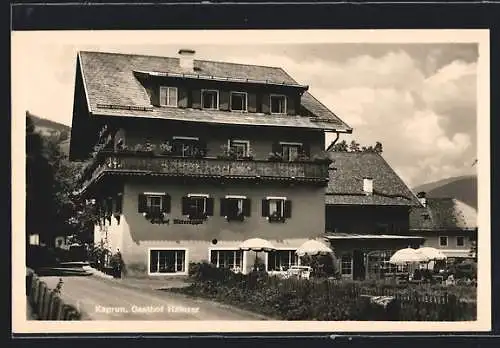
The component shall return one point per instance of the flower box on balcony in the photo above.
(275, 157)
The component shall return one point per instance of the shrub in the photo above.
(323, 299)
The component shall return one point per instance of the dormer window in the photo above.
(239, 101)
(278, 104)
(210, 99)
(168, 96)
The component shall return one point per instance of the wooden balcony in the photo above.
(123, 163)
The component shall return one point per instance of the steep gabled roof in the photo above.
(443, 214)
(347, 172)
(110, 79)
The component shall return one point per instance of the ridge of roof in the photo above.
(392, 188)
(196, 60)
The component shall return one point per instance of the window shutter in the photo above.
(185, 205)
(265, 207)
(224, 100)
(155, 95)
(266, 108)
(166, 203)
(306, 148)
(288, 209)
(246, 207)
(223, 205)
(196, 93)
(276, 147)
(252, 102)
(162, 95)
(202, 146)
(290, 105)
(210, 207)
(142, 206)
(182, 101)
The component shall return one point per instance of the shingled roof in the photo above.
(347, 172)
(443, 214)
(110, 79)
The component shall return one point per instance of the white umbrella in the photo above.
(257, 245)
(432, 253)
(406, 256)
(313, 247)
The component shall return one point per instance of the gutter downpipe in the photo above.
(333, 142)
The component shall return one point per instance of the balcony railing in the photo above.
(131, 163)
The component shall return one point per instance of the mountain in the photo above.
(50, 128)
(463, 188)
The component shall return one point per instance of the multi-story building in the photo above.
(367, 214)
(192, 157)
(447, 224)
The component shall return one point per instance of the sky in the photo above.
(418, 100)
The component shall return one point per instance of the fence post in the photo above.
(41, 298)
(34, 293)
(47, 305)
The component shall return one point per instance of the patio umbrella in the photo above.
(257, 245)
(313, 247)
(432, 253)
(406, 256)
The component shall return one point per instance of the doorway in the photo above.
(358, 264)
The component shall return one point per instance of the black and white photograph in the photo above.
(251, 180)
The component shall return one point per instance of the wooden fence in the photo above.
(46, 303)
(413, 306)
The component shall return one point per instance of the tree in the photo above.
(39, 185)
(75, 215)
(354, 146)
(52, 209)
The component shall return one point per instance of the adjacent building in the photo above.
(447, 224)
(367, 214)
(188, 158)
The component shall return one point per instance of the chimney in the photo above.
(422, 198)
(368, 185)
(186, 59)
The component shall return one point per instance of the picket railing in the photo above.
(46, 303)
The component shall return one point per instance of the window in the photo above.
(238, 101)
(276, 208)
(281, 260)
(168, 96)
(197, 206)
(235, 207)
(232, 259)
(34, 239)
(290, 151)
(278, 104)
(186, 146)
(241, 148)
(443, 241)
(210, 99)
(346, 264)
(385, 266)
(460, 241)
(167, 261)
(154, 203)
